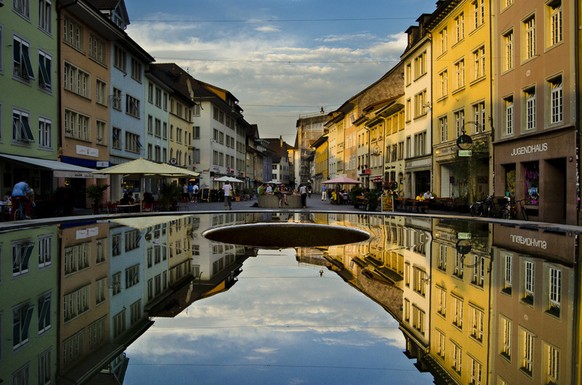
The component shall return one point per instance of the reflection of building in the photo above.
(28, 306)
(460, 304)
(532, 339)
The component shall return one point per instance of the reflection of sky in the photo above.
(280, 324)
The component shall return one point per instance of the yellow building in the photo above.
(461, 97)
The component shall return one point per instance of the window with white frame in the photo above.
(508, 115)
(116, 144)
(441, 301)
(457, 358)
(44, 251)
(529, 26)
(132, 276)
(460, 74)
(120, 58)
(44, 312)
(457, 311)
(101, 92)
(442, 261)
(76, 80)
(22, 7)
(508, 51)
(132, 143)
(21, 317)
(21, 59)
(479, 117)
(73, 33)
(476, 375)
(555, 290)
(44, 71)
(443, 39)
(420, 106)
(478, 276)
(45, 133)
(556, 100)
(136, 70)
(76, 303)
(530, 108)
(443, 83)
(552, 358)
(527, 352)
(479, 64)
(459, 27)
(529, 281)
(132, 107)
(420, 144)
(119, 324)
(444, 128)
(408, 73)
(116, 99)
(507, 273)
(21, 132)
(45, 367)
(76, 125)
(100, 127)
(420, 65)
(477, 323)
(97, 49)
(555, 22)
(459, 122)
(506, 332)
(478, 13)
(441, 344)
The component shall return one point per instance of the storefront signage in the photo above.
(87, 233)
(532, 149)
(529, 241)
(88, 151)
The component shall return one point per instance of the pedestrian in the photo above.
(323, 193)
(269, 189)
(185, 192)
(280, 193)
(195, 192)
(227, 188)
(303, 192)
(23, 195)
(190, 191)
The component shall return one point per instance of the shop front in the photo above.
(540, 173)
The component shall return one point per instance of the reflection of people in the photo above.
(22, 194)
(281, 195)
(303, 192)
(195, 192)
(227, 188)
(269, 189)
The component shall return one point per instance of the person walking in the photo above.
(303, 192)
(323, 193)
(227, 188)
(195, 192)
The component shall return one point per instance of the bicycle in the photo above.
(518, 210)
(19, 209)
(493, 207)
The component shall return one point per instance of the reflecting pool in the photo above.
(422, 300)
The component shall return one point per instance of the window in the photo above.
(479, 117)
(76, 80)
(477, 323)
(555, 291)
(117, 145)
(420, 104)
(443, 83)
(556, 101)
(444, 128)
(135, 312)
(136, 70)
(459, 27)
(552, 364)
(45, 133)
(459, 122)
(97, 49)
(457, 358)
(527, 352)
(530, 37)
(73, 34)
(44, 251)
(21, 252)
(76, 303)
(508, 51)
(158, 127)
(420, 144)
(420, 65)
(555, 13)
(442, 262)
(119, 323)
(44, 367)
(408, 73)
(116, 283)
(479, 64)
(460, 74)
(116, 99)
(507, 274)
(508, 115)
(529, 282)
(442, 301)
(478, 13)
(443, 38)
(44, 313)
(76, 125)
(457, 312)
(476, 375)
(132, 143)
(478, 270)
(196, 132)
(505, 337)
(418, 319)
(101, 92)
(530, 108)
(22, 7)
(132, 106)
(44, 70)
(76, 258)
(131, 276)
(21, 59)
(22, 315)
(441, 344)
(119, 58)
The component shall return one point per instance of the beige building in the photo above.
(536, 135)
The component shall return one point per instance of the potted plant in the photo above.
(170, 194)
(95, 194)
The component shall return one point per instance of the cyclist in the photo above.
(22, 196)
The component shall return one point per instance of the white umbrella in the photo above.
(227, 179)
(341, 180)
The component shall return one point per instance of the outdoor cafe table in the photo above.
(128, 208)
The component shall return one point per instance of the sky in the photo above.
(282, 59)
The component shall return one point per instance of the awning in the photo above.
(60, 169)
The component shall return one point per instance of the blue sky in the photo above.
(280, 58)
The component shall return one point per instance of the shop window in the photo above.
(510, 178)
(532, 183)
